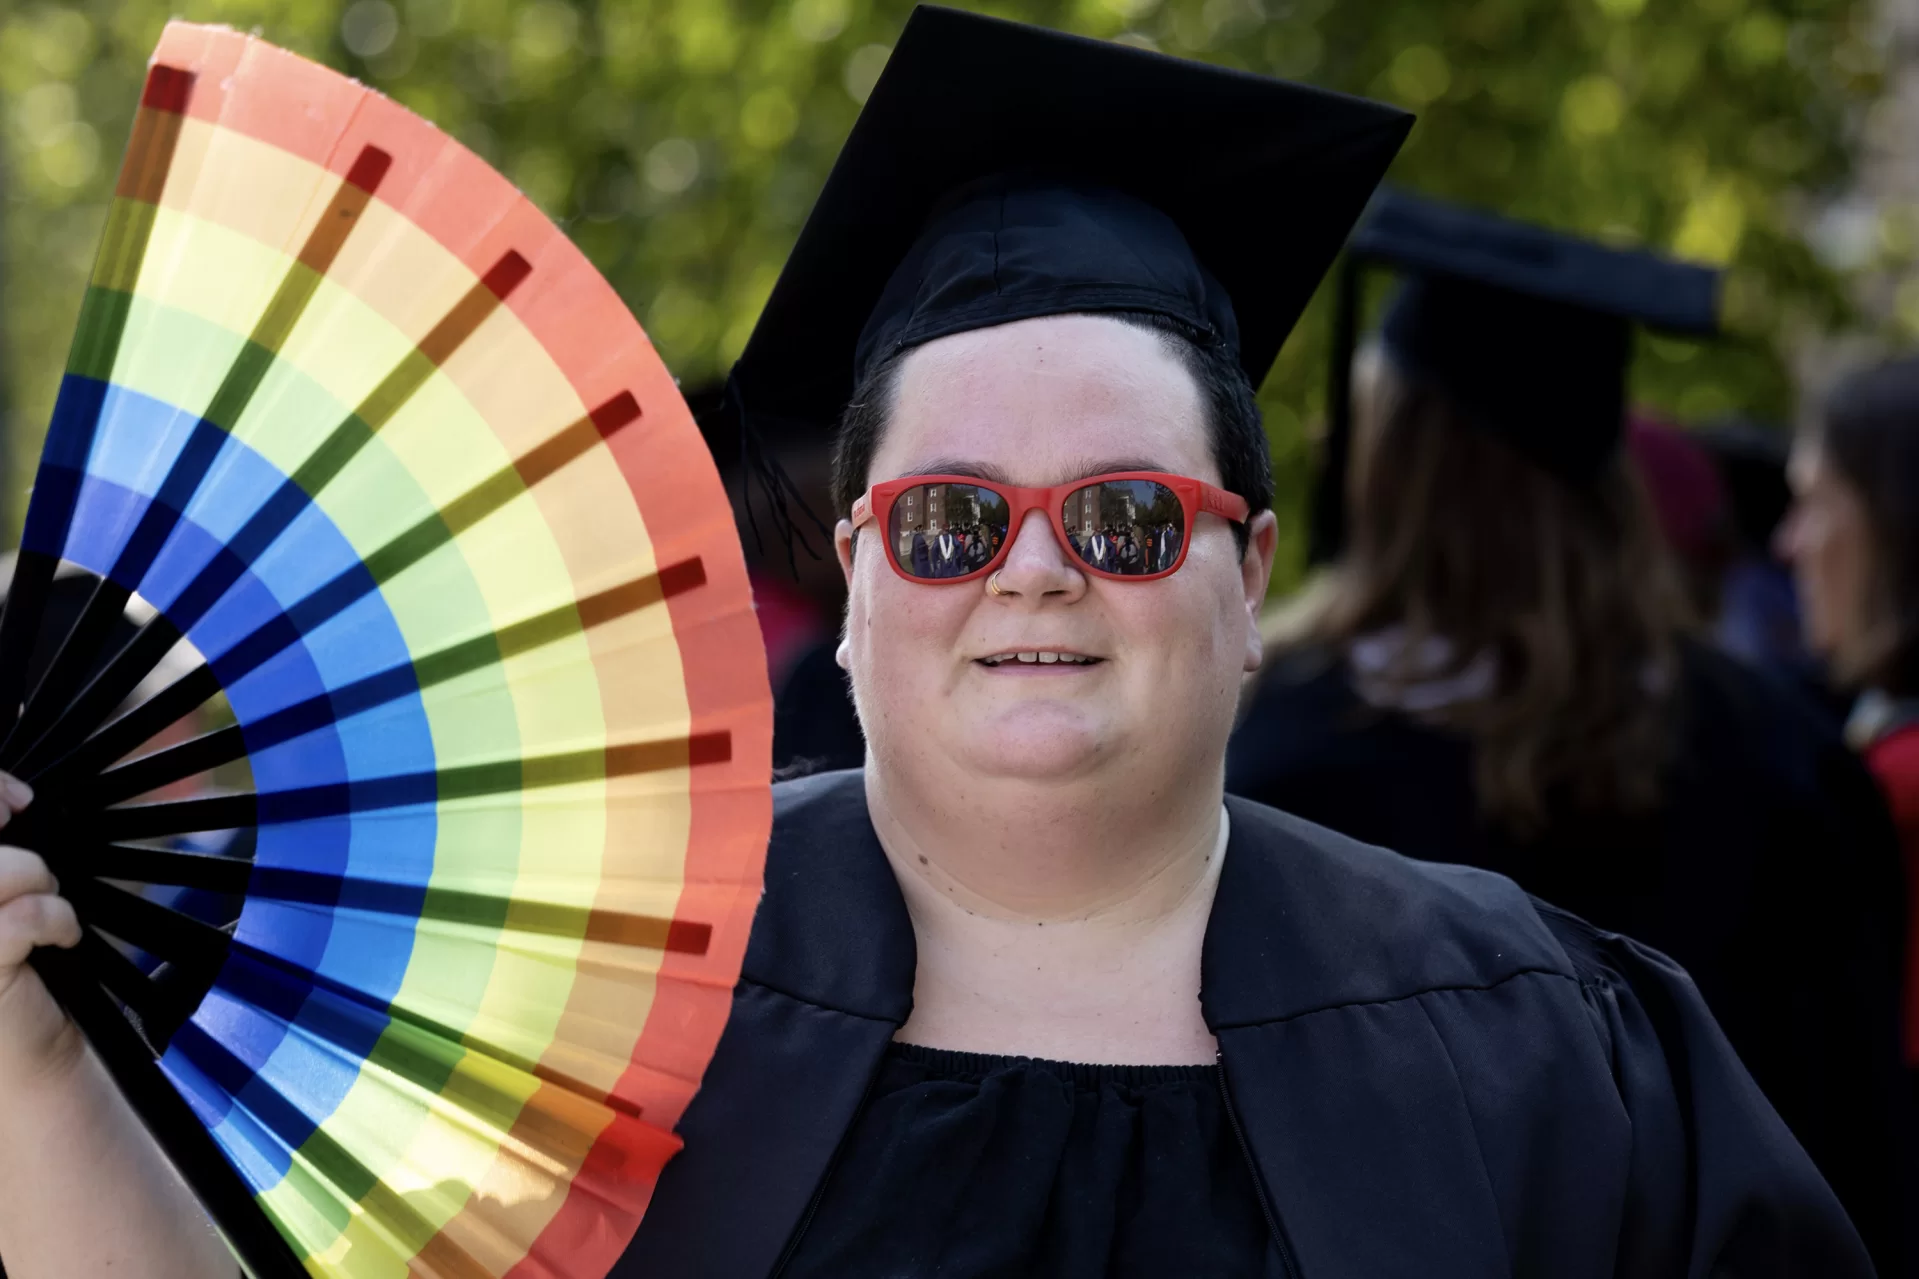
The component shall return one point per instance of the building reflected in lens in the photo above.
(947, 530)
(1122, 526)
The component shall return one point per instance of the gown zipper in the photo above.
(1288, 1262)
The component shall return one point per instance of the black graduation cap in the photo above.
(1000, 172)
(1529, 330)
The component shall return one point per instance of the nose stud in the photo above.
(992, 584)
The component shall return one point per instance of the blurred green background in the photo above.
(681, 143)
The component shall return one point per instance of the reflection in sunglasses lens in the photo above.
(946, 530)
(1126, 527)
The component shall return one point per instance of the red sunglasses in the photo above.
(1130, 525)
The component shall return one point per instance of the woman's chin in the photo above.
(1038, 745)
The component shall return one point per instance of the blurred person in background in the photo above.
(1758, 617)
(1688, 503)
(1718, 494)
(1852, 537)
(1498, 672)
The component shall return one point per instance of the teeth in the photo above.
(1047, 659)
(1029, 657)
(1037, 659)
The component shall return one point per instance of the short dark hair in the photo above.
(1870, 433)
(1232, 416)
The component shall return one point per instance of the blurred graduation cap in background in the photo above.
(1528, 330)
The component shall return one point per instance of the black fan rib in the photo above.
(131, 1062)
(77, 654)
(20, 629)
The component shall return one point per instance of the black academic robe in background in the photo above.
(1771, 874)
(1436, 1076)
(815, 726)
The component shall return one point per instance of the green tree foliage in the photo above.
(681, 141)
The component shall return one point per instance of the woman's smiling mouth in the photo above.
(1033, 659)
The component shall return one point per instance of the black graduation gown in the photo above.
(1771, 874)
(1435, 1075)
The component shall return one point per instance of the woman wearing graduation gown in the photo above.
(1852, 537)
(1496, 673)
(1026, 995)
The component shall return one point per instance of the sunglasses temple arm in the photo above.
(1228, 506)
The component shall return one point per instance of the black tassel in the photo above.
(781, 497)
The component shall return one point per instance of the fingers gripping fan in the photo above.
(352, 426)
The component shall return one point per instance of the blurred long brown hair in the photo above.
(1453, 536)
(1869, 432)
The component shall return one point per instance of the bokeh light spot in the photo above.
(369, 27)
(672, 166)
(1592, 108)
(1758, 42)
(863, 70)
(545, 176)
(1713, 226)
(546, 32)
(61, 40)
(680, 320)
(768, 118)
(818, 20)
(44, 112)
(431, 19)
(1420, 75)
(73, 157)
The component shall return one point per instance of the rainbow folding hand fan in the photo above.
(374, 441)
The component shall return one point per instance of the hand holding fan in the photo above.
(373, 439)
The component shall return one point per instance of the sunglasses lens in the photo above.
(1128, 528)
(946, 530)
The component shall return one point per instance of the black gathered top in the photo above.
(963, 1166)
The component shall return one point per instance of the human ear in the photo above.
(1255, 573)
(843, 535)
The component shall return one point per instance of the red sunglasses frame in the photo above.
(1195, 496)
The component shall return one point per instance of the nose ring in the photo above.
(992, 584)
